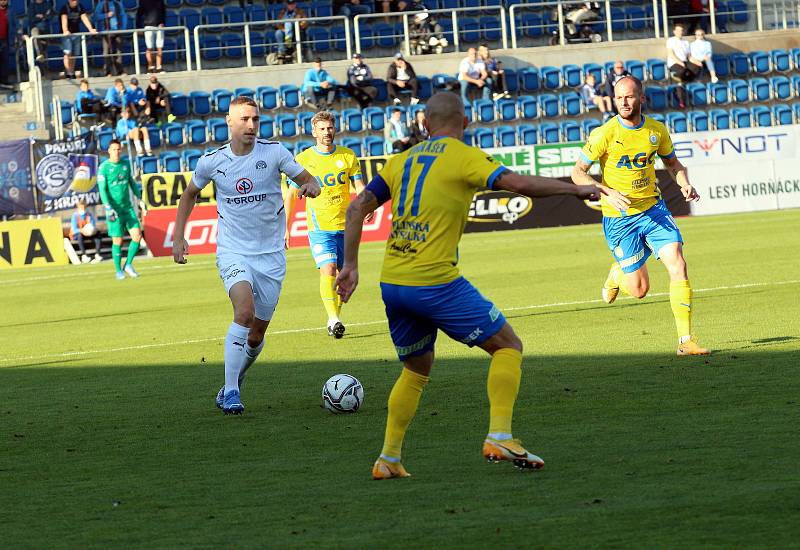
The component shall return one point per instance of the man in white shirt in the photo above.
(678, 51)
(250, 241)
(472, 74)
(701, 54)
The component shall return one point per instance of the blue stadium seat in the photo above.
(105, 135)
(425, 87)
(794, 54)
(190, 17)
(302, 145)
(267, 97)
(722, 65)
(353, 120)
(636, 17)
(528, 134)
(469, 112)
(738, 9)
(617, 19)
(287, 125)
(759, 89)
(697, 93)
(196, 132)
(222, 99)
(796, 85)
(373, 146)
(232, 45)
(656, 97)
(319, 39)
(290, 96)
(468, 137)
(657, 116)
(384, 35)
(217, 129)
(571, 75)
(781, 87)
(266, 127)
(677, 122)
(490, 28)
(212, 16)
(657, 69)
(740, 92)
(593, 69)
(720, 119)
(672, 96)
(551, 78)
(532, 24)
(528, 107)
(366, 36)
(740, 64)
(781, 60)
(484, 138)
(170, 161)
(506, 136)
(200, 102)
(304, 122)
(179, 104)
(761, 115)
(172, 4)
(529, 79)
(258, 43)
(796, 110)
(147, 165)
(189, 158)
(354, 144)
(443, 81)
(173, 133)
(589, 124)
(507, 109)
(782, 114)
(233, 14)
(570, 103)
(549, 132)
(375, 118)
(383, 91)
(512, 81)
(246, 92)
(548, 105)
(719, 93)
(570, 130)
(154, 133)
(469, 29)
(255, 12)
(698, 121)
(484, 109)
(741, 117)
(760, 62)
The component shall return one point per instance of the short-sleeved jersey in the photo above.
(248, 191)
(115, 183)
(335, 171)
(431, 187)
(627, 157)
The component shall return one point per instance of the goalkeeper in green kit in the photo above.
(115, 183)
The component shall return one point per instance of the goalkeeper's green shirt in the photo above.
(115, 183)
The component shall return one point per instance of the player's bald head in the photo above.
(628, 84)
(444, 110)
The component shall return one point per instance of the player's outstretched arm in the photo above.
(308, 185)
(364, 204)
(538, 186)
(180, 248)
(289, 198)
(581, 177)
(681, 177)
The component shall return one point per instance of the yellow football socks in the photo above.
(327, 291)
(403, 402)
(502, 385)
(680, 298)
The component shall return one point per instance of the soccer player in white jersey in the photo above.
(250, 252)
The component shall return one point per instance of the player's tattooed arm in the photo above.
(309, 186)
(680, 174)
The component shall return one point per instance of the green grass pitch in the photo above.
(109, 436)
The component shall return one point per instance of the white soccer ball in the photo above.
(342, 393)
(88, 230)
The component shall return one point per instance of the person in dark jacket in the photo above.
(401, 77)
(40, 12)
(157, 101)
(109, 15)
(359, 82)
(87, 102)
(152, 15)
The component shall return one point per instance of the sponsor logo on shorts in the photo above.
(632, 260)
(261, 165)
(233, 273)
(473, 335)
(246, 200)
(244, 186)
(405, 350)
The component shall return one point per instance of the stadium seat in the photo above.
(722, 65)
(739, 11)
(796, 110)
(741, 117)
(233, 14)
(699, 121)
(154, 132)
(147, 165)
(212, 16)
(383, 92)
(672, 97)
(484, 110)
(697, 93)
(384, 35)
(507, 109)
(528, 134)
(169, 161)
(761, 115)
(304, 122)
(179, 104)
(267, 97)
(200, 102)
(373, 146)
(490, 28)
(781, 87)
(571, 75)
(636, 17)
(720, 119)
(211, 47)
(512, 81)
(531, 24)
(528, 107)
(781, 60)
(570, 130)
(589, 124)
(551, 78)
(570, 103)
(549, 132)
(246, 92)
(468, 137)
(548, 105)
(222, 100)
(302, 145)
(319, 39)
(290, 96)
(759, 89)
(255, 12)
(189, 158)
(593, 69)
(443, 81)
(719, 93)
(266, 127)
(657, 116)
(506, 136)
(796, 85)
(677, 122)
(173, 133)
(760, 61)
(794, 54)
(217, 129)
(469, 30)
(782, 114)
(196, 133)
(656, 97)
(105, 135)
(354, 144)
(287, 125)
(529, 79)
(484, 138)
(657, 69)
(375, 118)
(190, 17)
(232, 45)
(258, 44)
(353, 120)
(740, 92)
(425, 87)
(740, 64)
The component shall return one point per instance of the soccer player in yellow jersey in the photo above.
(431, 186)
(636, 221)
(335, 168)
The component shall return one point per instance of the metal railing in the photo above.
(270, 24)
(453, 16)
(84, 36)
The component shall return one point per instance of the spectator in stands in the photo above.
(679, 11)
(350, 8)
(115, 99)
(38, 22)
(592, 97)
(401, 77)
(702, 15)
(109, 15)
(701, 54)
(135, 99)
(319, 87)
(396, 134)
(614, 74)
(284, 35)
(359, 82)
(472, 76)
(419, 132)
(495, 71)
(157, 101)
(678, 51)
(425, 35)
(71, 16)
(86, 102)
(127, 127)
(394, 6)
(82, 225)
(7, 36)
(152, 15)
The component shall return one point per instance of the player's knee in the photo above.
(244, 315)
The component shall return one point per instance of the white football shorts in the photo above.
(264, 272)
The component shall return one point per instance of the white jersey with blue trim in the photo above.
(248, 192)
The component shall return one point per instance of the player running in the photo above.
(115, 183)
(431, 186)
(335, 168)
(250, 255)
(636, 222)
